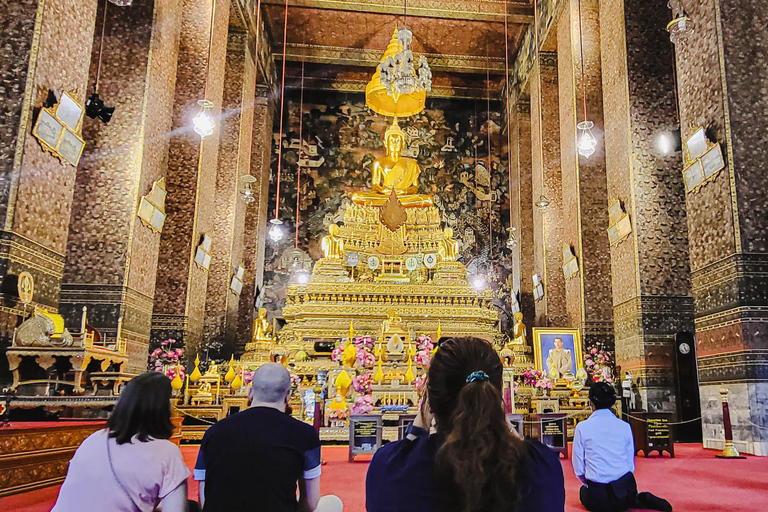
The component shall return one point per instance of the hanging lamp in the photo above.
(203, 123)
(586, 143)
(276, 231)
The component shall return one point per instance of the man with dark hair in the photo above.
(254, 460)
(604, 459)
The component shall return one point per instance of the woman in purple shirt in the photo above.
(130, 466)
(473, 463)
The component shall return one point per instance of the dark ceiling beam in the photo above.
(296, 52)
(470, 10)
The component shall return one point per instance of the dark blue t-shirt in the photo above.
(400, 479)
(253, 460)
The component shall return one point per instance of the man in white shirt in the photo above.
(604, 459)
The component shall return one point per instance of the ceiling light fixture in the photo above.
(203, 123)
(681, 27)
(398, 73)
(586, 143)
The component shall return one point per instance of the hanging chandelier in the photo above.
(399, 74)
(543, 203)
(681, 26)
(247, 195)
(587, 142)
(276, 231)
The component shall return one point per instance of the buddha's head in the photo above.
(333, 229)
(448, 232)
(262, 312)
(394, 140)
(519, 317)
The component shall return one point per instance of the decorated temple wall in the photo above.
(192, 163)
(449, 140)
(230, 209)
(111, 255)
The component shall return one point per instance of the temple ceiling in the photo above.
(340, 42)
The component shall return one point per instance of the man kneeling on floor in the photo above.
(253, 460)
(604, 459)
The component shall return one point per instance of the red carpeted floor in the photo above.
(695, 481)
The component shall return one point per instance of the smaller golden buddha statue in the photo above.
(394, 374)
(394, 172)
(262, 331)
(518, 331)
(449, 247)
(332, 243)
(349, 355)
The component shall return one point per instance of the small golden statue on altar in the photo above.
(449, 247)
(262, 330)
(393, 331)
(332, 243)
(518, 331)
(394, 172)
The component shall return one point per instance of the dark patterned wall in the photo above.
(452, 141)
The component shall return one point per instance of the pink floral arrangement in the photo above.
(364, 357)
(336, 414)
(599, 364)
(419, 382)
(336, 353)
(295, 381)
(165, 356)
(363, 404)
(171, 372)
(424, 348)
(363, 383)
(364, 342)
(545, 383)
(532, 377)
(248, 376)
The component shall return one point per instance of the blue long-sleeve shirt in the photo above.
(603, 448)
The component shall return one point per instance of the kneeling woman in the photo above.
(473, 463)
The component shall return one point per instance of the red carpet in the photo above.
(693, 482)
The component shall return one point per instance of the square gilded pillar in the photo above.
(649, 268)
(111, 260)
(45, 46)
(722, 84)
(546, 181)
(179, 305)
(585, 205)
(256, 215)
(522, 198)
(222, 300)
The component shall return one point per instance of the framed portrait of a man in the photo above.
(557, 352)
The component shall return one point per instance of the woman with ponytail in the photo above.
(473, 463)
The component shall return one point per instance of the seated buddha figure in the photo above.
(262, 331)
(394, 172)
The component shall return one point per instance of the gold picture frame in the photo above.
(48, 130)
(543, 341)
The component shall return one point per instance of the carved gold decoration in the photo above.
(26, 287)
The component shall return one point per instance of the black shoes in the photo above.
(648, 501)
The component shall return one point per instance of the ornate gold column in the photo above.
(546, 179)
(179, 304)
(721, 87)
(588, 281)
(111, 261)
(230, 210)
(45, 45)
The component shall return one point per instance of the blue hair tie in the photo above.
(478, 375)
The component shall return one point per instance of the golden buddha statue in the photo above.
(394, 172)
(518, 331)
(262, 331)
(332, 243)
(449, 247)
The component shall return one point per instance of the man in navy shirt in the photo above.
(253, 460)
(604, 459)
